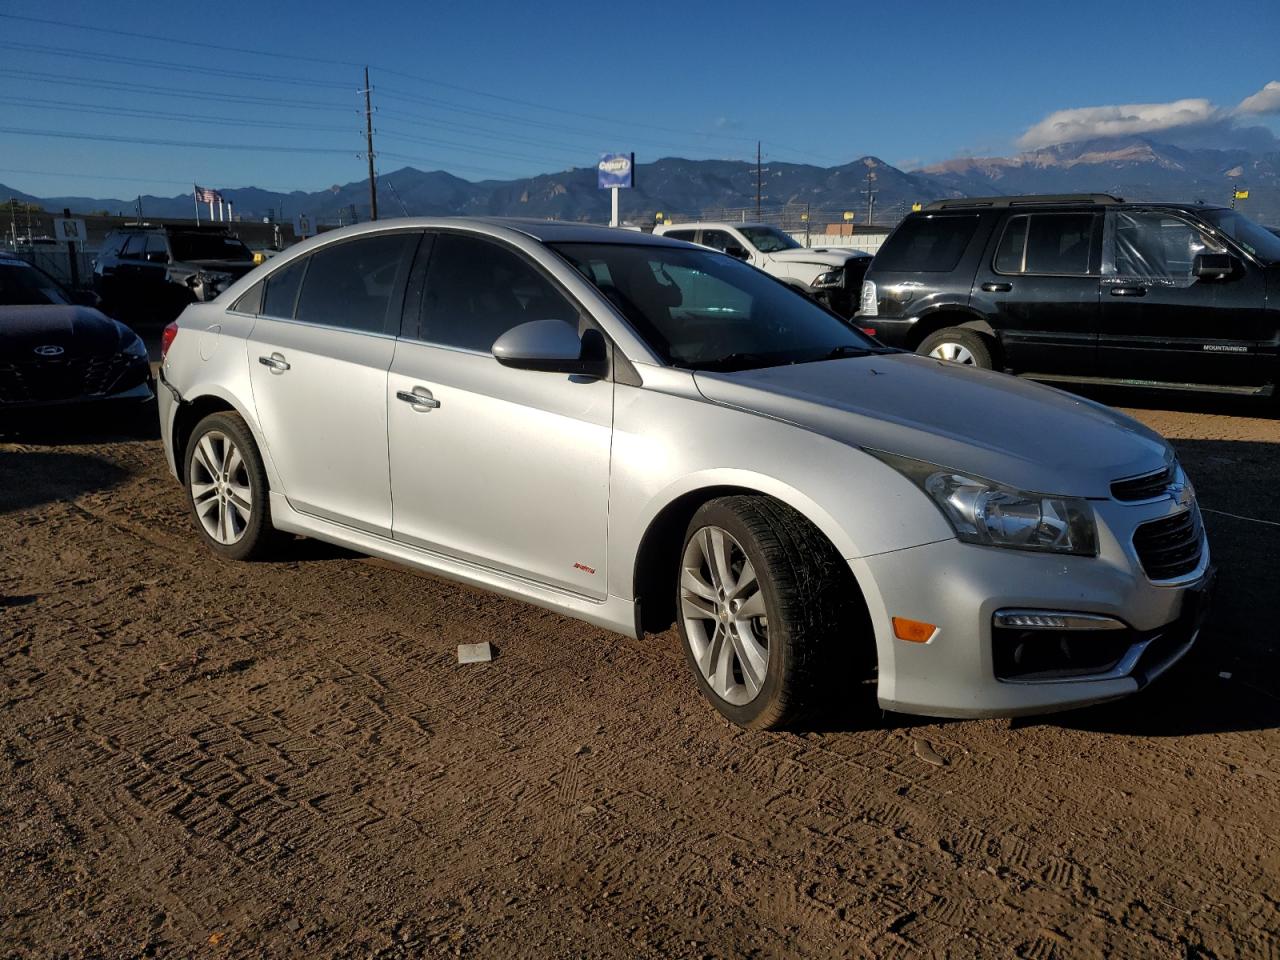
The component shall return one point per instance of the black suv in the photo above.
(149, 274)
(1084, 288)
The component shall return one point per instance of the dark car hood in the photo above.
(992, 425)
(79, 331)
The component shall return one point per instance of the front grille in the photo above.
(1146, 487)
(1027, 655)
(1171, 546)
(50, 379)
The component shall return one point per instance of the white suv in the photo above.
(635, 431)
(833, 277)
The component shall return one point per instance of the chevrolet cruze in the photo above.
(637, 431)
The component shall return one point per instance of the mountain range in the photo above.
(1132, 167)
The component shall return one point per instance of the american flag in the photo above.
(206, 195)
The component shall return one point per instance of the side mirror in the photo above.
(86, 298)
(1213, 266)
(736, 251)
(553, 346)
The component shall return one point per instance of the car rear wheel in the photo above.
(227, 488)
(768, 611)
(957, 345)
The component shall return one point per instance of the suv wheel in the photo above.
(227, 488)
(957, 345)
(767, 612)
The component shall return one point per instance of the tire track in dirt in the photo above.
(288, 754)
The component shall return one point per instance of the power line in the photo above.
(183, 93)
(63, 175)
(169, 65)
(202, 44)
(98, 109)
(160, 142)
(432, 141)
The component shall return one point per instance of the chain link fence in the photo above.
(54, 260)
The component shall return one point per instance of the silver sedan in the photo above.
(636, 431)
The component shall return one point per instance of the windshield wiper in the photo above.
(848, 350)
(742, 361)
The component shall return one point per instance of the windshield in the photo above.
(706, 311)
(207, 246)
(22, 285)
(768, 239)
(1253, 239)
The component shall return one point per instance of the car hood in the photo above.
(833, 258)
(974, 421)
(78, 331)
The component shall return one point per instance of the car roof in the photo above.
(1065, 200)
(564, 231)
(543, 231)
(719, 224)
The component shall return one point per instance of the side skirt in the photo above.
(613, 613)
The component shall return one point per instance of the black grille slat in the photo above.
(1171, 546)
(1146, 487)
(61, 378)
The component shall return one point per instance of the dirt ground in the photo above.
(205, 759)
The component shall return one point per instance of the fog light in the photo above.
(913, 631)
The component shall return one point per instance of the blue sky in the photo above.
(500, 89)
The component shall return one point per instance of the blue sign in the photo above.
(617, 170)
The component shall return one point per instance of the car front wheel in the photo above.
(768, 612)
(227, 488)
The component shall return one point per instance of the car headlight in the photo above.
(832, 278)
(209, 283)
(135, 348)
(994, 515)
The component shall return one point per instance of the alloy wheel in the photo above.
(954, 352)
(220, 487)
(722, 605)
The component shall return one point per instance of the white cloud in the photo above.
(1266, 100)
(1085, 123)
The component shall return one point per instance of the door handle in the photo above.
(1128, 291)
(991, 287)
(275, 362)
(423, 399)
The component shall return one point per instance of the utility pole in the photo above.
(73, 261)
(368, 138)
(871, 198)
(759, 180)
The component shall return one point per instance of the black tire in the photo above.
(258, 538)
(818, 633)
(978, 346)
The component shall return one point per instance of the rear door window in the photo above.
(282, 290)
(1051, 244)
(927, 244)
(357, 283)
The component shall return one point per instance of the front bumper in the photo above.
(137, 393)
(960, 587)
